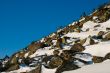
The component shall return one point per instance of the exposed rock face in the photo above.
(78, 47)
(97, 59)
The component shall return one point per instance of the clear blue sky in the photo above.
(22, 21)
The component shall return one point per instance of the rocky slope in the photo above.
(73, 48)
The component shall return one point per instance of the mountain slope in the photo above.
(79, 45)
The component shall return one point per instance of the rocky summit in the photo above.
(83, 44)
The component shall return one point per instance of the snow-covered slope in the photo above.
(95, 68)
(70, 48)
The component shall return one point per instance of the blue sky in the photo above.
(23, 21)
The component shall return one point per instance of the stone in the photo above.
(56, 52)
(101, 33)
(13, 67)
(107, 36)
(66, 66)
(55, 62)
(78, 47)
(97, 59)
(107, 56)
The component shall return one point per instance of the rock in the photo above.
(13, 60)
(66, 55)
(36, 70)
(101, 33)
(13, 67)
(97, 59)
(78, 47)
(106, 36)
(59, 43)
(48, 41)
(52, 61)
(33, 47)
(27, 61)
(108, 29)
(82, 41)
(82, 59)
(56, 52)
(55, 62)
(107, 56)
(67, 66)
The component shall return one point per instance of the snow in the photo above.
(81, 35)
(95, 68)
(84, 56)
(95, 17)
(79, 64)
(21, 70)
(87, 42)
(88, 25)
(45, 70)
(54, 42)
(42, 40)
(100, 49)
(26, 55)
(43, 51)
(82, 19)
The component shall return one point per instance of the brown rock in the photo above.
(107, 36)
(66, 55)
(92, 42)
(97, 59)
(13, 67)
(107, 56)
(82, 41)
(55, 62)
(101, 33)
(78, 47)
(56, 52)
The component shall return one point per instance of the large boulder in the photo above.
(78, 47)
